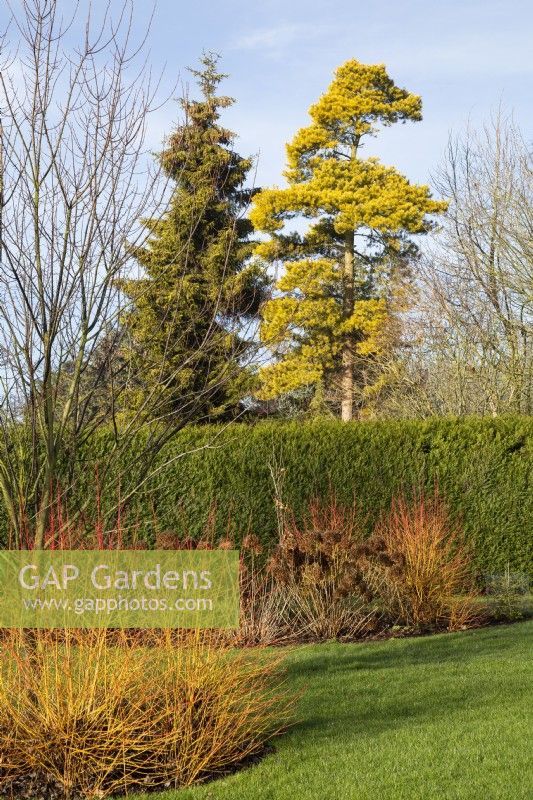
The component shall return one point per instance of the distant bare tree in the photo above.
(470, 339)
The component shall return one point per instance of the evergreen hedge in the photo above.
(483, 468)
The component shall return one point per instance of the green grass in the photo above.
(446, 717)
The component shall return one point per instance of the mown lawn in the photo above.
(440, 718)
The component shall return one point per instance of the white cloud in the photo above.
(276, 38)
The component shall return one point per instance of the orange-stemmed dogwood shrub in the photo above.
(87, 715)
(418, 568)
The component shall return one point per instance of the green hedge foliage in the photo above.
(483, 468)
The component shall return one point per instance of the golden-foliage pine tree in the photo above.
(331, 314)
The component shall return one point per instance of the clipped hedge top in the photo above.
(482, 466)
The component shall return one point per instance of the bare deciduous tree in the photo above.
(470, 339)
(75, 177)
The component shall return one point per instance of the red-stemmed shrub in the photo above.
(417, 567)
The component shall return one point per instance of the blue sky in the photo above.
(463, 56)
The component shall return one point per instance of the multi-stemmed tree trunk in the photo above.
(71, 157)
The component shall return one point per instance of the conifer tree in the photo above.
(199, 290)
(331, 315)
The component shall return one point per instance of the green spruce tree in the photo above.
(192, 311)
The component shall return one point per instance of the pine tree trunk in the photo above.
(348, 354)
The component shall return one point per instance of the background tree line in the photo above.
(362, 322)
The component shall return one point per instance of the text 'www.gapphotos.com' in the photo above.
(110, 605)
